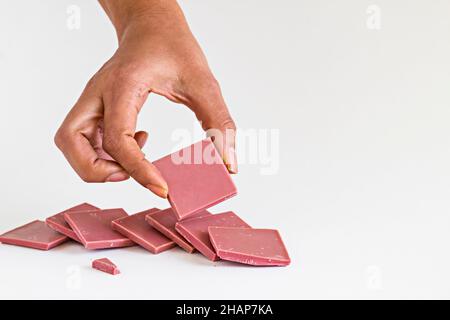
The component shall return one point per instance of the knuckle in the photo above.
(85, 178)
(61, 137)
(223, 121)
(229, 124)
(128, 81)
(213, 83)
(88, 176)
(91, 173)
(91, 84)
(210, 84)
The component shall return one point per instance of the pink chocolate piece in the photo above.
(164, 221)
(36, 235)
(94, 228)
(58, 223)
(195, 230)
(197, 178)
(135, 227)
(105, 265)
(257, 247)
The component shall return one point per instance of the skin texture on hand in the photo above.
(158, 54)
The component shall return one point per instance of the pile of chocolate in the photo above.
(197, 180)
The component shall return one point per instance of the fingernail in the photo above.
(232, 168)
(231, 162)
(158, 190)
(118, 176)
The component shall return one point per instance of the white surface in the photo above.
(361, 195)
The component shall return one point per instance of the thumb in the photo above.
(121, 142)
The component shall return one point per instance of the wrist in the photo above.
(141, 15)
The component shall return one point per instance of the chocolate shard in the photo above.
(106, 266)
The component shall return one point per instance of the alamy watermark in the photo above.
(73, 278)
(257, 147)
(73, 21)
(374, 278)
(373, 20)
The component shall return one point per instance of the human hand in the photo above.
(157, 53)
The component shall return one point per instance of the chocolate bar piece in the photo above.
(257, 247)
(195, 230)
(36, 235)
(197, 178)
(93, 228)
(164, 221)
(135, 227)
(58, 223)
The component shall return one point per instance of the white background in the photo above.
(361, 196)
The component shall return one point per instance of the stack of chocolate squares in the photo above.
(197, 180)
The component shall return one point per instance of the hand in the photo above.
(157, 54)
